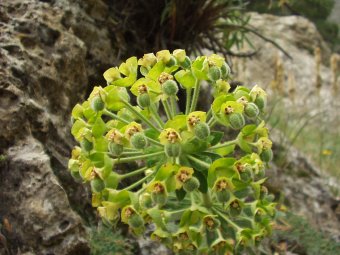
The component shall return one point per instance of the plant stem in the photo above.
(154, 112)
(173, 105)
(195, 96)
(138, 114)
(209, 114)
(212, 122)
(139, 182)
(128, 159)
(200, 162)
(131, 153)
(133, 173)
(221, 145)
(154, 141)
(167, 109)
(188, 101)
(226, 219)
(207, 199)
(115, 116)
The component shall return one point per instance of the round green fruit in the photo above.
(116, 149)
(97, 185)
(223, 196)
(186, 63)
(171, 62)
(236, 120)
(225, 70)
(267, 155)
(260, 102)
(191, 184)
(97, 104)
(139, 141)
(251, 110)
(170, 88)
(214, 73)
(172, 149)
(202, 130)
(143, 100)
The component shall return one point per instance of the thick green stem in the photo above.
(139, 182)
(154, 142)
(139, 115)
(129, 159)
(133, 173)
(212, 122)
(155, 114)
(209, 114)
(207, 199)
(131, 153)
(173, 105)
(198, 161)
(115, 116)
(188, 101)
(167, 109)
(231, 223)
(195, 96)
(221, 145)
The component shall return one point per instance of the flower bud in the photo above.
(251, 110)
(214, 73)
(143, 100)
(86, 145)
(138, 141)
(266, 155)
(202, 130)
(260, 102)
(172, 149)
(116, 149)
(170, 88)
(236, 120)
(97, 103)
(97, 185)
(191, 184)
(180, 55)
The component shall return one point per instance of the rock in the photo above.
(50, 51)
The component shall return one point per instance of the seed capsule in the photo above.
(97, 104)
(236, 120)
(214, 73)
(267, 155)
(143, 100)
(136, 221)
(138, 141)
(86, 145)
(116, 149)
(251, 110)
(171, 62)
(191, 184)
(170, 88)
(202, 130)
(172, 149)
(260, 102)
(225, 70)
(97, 185)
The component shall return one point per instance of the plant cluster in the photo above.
(203, 195)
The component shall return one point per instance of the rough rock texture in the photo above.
(49, 52)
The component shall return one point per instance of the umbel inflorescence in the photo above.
(202, 194)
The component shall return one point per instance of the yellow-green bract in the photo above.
(205, 195)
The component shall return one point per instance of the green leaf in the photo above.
(216, 105)
(194, 145)
(77, 111)
(165, 171)
(221, 167)
(77, 128)
(156, 70)
(115, 96)
(203, 181)
(157, 218)
(178, 123)
(100, 144)
(215, 137)
(119, 197)
(129, 69)
(180, 194)
(224, 151)
(151, 133)
(243, 144)
(186, 78)
(98, 128)
(199, 167)
(248, 129)
(200, 68)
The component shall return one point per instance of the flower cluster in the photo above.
(204, 195)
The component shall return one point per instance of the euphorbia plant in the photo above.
(203, 194)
